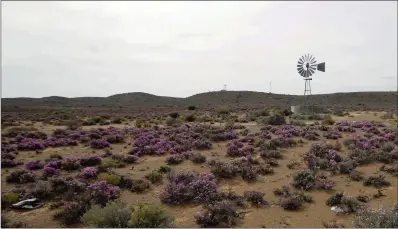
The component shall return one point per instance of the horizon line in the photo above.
(190, 95)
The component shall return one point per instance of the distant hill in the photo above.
(140, 100)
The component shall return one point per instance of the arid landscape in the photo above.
(218, 159)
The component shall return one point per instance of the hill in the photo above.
(140, 100)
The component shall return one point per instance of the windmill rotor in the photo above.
(307, 65)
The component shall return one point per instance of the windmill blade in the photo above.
(312, 59)
(306, 57)
(312, 71)
(301, 60)
(305, 74)
(301, 71)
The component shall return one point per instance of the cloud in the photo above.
(182, 48)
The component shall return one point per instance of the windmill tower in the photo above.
(306, 67)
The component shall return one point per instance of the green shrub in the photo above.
(275, 120)
(171, 121)
(164, 169)
(328, 121)
(110, 178)
(117, 120)
(154, 177)
(139, 185)
(139, 122)
(109, 163)
(114, 215)
(191, 108)
(190, 118)
(150, 216)
(9, 198)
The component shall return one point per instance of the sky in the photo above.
(98, 48)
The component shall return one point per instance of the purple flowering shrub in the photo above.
(323, 156)
(332, 135)
(238, 149)
(88, 172)
(30, 144)
(33, 165)
(21, 177)
(255, 197)
(51, 169)
(71, 213)
(202, 144)
(224, 170)
(59, 142)
(9, 163)
(189, 187)
(99, 144)
(101, 192)
(218, 214)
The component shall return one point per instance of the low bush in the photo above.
(190, 118)
(114, 214)
(304, 179)
(140, 185)
(171, 121)
(376, 181)
(350, 204)
(189, 187)
(356, 176)
(21, 177)
(291, 203)
(191, 108)
(42, 190)
(224, 170)
(71, 164)
(377, 218)
(71, 213)
(198, 158)
(154, 177)
(110, 178)
(175, 159)
(219, 214)
(9, 198)
(328, 121)
(164, 169)
(334, 199)
(101, 192)
(255, 197)
(150, 216)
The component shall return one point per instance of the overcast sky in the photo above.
(179, 49)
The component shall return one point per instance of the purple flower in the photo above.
(88, 172)
(33, 165)
(50, 170)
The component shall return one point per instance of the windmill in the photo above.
(306, 67)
